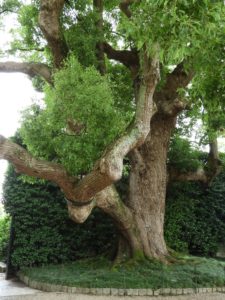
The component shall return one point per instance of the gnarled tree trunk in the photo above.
(147, 190)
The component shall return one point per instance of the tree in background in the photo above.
(116, 77)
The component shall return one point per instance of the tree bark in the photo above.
(148, 181)
(29, 68)
(49, 22)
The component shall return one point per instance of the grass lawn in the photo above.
(188, 272)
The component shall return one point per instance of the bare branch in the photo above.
(129, 58)
(124, 7)
(198, 175)
(6, 11)
(28, 49)
(26, 164)
(205, 175)
(49, 16)
(31, 69)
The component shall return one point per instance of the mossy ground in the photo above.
(187, 272)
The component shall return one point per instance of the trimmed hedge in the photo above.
(195, 217)
(194, 223)
(4, 236)
(43, 231)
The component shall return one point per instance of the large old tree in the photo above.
(117, 75)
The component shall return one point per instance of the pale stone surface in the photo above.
(2, 267)
(135, 292)
(165, 291)
(15, 290)
(14, 287)
(98, 291)
(149, 292)
(179, 291)
(129, 292)
(106, 291)
(156, 292)
(142, 292)
(121, 292)
(114, 292)
(62, 296)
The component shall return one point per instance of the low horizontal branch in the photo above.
(198, 175)
(29, 68)
(205, 175)
(27, 164)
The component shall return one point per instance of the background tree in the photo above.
(89, 125)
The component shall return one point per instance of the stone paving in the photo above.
(15, 290)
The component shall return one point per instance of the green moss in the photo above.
(139, 256)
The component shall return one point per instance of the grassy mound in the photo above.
(188, 272)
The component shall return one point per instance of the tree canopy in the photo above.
(116, 75)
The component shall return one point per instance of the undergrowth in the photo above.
(187, 272)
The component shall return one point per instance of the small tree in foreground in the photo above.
(99, 113)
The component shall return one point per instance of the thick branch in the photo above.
(124, 7)
(50, 11)
(26, 164)
(109, 201)
(167, 99)
(198, 175)
(30, 69)
(109, 168)
(205, 175)
(129, 58)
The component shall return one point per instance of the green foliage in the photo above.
(182, 156)
(208, 91)
(195, 217)
(84, 45)
(191, 272)
(28, 35)
(81, 97)
(174, 29)
(43, 231)
(4, 236)
(122, 90)
(8, 6)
